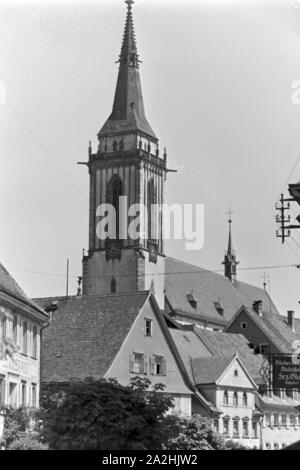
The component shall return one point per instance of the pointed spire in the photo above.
(230, 245)
(129, 53)
(128, 113)
(230, 262)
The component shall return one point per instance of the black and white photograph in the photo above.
(150, 216)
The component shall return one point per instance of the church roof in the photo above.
(128, 113)
(10, 287)
(209, 288)
(85, 334)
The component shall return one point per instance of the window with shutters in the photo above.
(158, 365)
(138, 363)
(2, 389)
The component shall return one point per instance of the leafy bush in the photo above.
(27, 442)
(197, 433)
(16, 422)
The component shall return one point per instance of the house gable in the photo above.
(157, 345)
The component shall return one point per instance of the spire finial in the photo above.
(129, 55)
(230, 248)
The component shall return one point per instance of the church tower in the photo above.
(127, 169)
(230, 261)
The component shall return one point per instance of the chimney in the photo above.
(258, 307)
(291, 319)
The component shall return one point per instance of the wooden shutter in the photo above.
(152, 364)
(131, 362)
(163, 366)
(145, 365)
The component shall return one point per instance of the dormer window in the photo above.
(219, 308)
(192, 299)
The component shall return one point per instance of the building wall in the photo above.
(21, 370)
(137, 342)
(278, 435)
(234, 381)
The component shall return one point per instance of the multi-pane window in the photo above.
(34, 342)
(216, 425)
(13, 394)
(15, 329)
(235, 399)
(245, 429)
(225, 398)
(276, 446)
(226, 426)
(276, 419)
(158, 365)
(268, 419)
(23, 393)
(268, 446)
(245, 399)
(24, 337)
(235, 428)
(254, 430)
(292, 420)
(137, 363)
(148, 327)
(33, 396)
(2, 389)
(283, 419)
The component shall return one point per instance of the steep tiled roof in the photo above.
(9, 286)
(275, 327)
(200, 343)
(208, 288)
(207, 370)
(230, 343)
(85, 334)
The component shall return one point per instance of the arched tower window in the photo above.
(115, 190)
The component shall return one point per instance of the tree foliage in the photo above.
(102, 415)
(197, 433)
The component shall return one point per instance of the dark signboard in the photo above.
(286, 371)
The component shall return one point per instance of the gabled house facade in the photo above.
(269, 333)
(115, 336)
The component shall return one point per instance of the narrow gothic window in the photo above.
(150, 200)
(113, 286)
(115, 190)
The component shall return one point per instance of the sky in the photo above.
(217, 82)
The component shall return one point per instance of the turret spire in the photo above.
(128, 113)
(230, 262)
